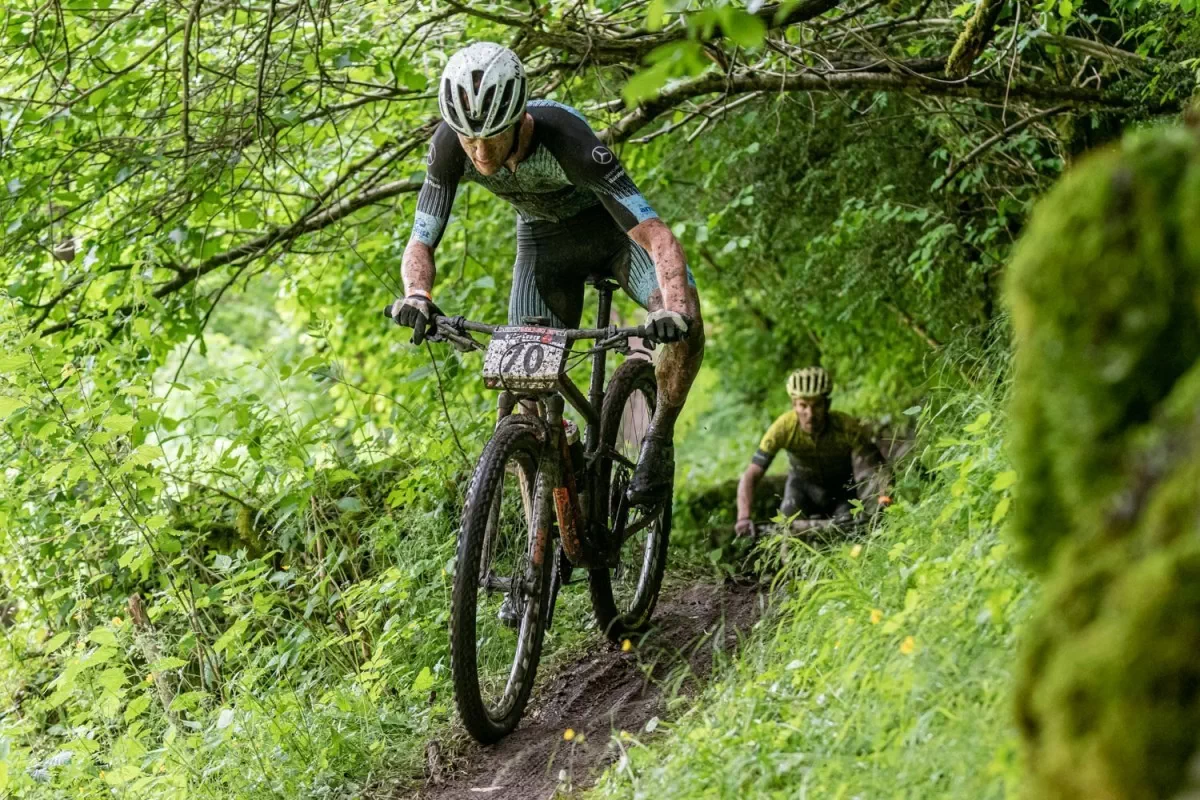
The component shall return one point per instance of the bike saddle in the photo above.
(600, 281)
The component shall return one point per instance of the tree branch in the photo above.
(259, 245)
(985, 145)
(976, 36)
(814, 81)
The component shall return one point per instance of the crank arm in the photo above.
(614, 455)
(493, 583)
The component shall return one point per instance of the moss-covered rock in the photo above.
(1105, 293)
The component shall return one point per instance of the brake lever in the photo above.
(455, 333)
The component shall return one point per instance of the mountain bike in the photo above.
(536, 483)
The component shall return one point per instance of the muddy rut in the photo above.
(598, 694)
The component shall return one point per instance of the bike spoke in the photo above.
(637, 536)
(506, 588)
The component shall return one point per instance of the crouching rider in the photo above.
(833, 459)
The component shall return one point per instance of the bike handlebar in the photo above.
(459, 325)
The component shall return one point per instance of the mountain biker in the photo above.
(833, 458)
(578, 214)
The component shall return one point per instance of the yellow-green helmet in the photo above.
(809, 382)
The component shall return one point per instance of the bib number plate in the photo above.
(524, 358)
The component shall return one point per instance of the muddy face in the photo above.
(488, 153)
(812, 412)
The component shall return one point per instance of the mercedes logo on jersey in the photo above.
(432, 154)
(602, 155)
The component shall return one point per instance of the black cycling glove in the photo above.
(416, 312)
(667, 326)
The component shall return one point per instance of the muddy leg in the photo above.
(677, 365)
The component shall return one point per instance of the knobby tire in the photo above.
(634, 375)
(514, 436)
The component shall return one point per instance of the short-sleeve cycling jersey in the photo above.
(568, 170)
(827, 459)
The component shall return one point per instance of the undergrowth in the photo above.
(885, 667)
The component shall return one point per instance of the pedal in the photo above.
(509, 615)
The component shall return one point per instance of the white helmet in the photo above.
(483, 90)
(809, 382)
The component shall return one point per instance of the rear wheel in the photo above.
(501, 582)
(624, 596)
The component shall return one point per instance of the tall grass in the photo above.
(884, 669)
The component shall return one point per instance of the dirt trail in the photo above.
(602, 692)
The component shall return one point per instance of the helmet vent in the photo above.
(483, 90)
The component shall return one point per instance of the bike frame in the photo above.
(585, 538)
(586, 544)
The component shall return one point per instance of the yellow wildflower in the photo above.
(569, 734)
(856, 551)
(908, 645)
(876, 616)
(118, 622)
(626, 646)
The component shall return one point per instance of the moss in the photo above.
(976, 35)
(1103, 289)
(1105, 292)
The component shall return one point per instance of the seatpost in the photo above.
(596, 389)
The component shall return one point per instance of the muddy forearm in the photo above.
(746, 487)
(670, 264)
(417, 268)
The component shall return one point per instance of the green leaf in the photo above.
(232, 636)
(168, 543)
(169, 662)
(745, 29)
(12, 362)
(137, 707)
(248, 218)
(656, 12)
(117, 423)
(1001, 510)
(112, 678)
(121, 775)
(54, 472)
(671, 60)
(980, 423)
(144, 455)
(103, 637)
(350, 505)
(10, 404)
(1066, 8)
(129, 556)
(55, 642)
(424, 681)
(963, 10)
(187, 701)
(1004, 480)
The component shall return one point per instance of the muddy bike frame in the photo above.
(586, 538)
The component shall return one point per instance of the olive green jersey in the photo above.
(826, 459)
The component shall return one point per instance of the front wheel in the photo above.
(501, 582)
(624, 595)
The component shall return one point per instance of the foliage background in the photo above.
(204, 210)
